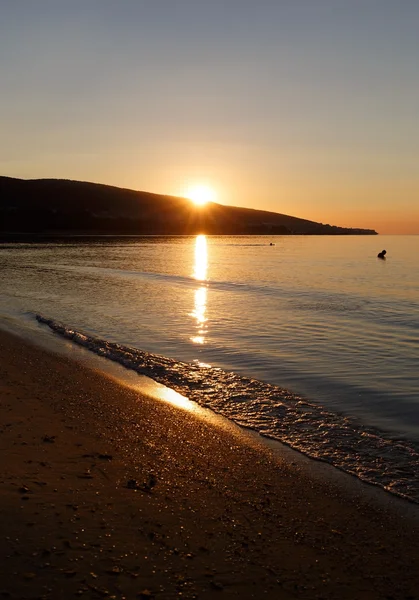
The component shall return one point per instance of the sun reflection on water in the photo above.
(201, 258)
(172, 397)
(200, 274)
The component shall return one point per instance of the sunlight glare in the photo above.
(169, 395)
(199, 314)
(200, 194)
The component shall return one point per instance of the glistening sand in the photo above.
(208, 513)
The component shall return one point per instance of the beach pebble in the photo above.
(70, 573)
(114, 571)
(100, 591)
(86, 475)
(132, 484)
(216, 585)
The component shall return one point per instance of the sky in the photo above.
(303, 107)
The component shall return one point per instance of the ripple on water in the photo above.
(274, 412)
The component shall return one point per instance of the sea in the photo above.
(309, 340)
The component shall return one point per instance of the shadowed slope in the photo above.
(63, 206)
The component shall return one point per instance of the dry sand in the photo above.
(106, 493)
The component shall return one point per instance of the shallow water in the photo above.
(242, 321)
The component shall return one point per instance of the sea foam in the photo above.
(273, 412)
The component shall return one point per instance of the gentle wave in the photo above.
(274, 412)
(317, 301)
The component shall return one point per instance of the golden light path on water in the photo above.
(200, 269)
(200, 274)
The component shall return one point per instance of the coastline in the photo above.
(106, 492)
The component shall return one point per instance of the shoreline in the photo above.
(108, 492)
(35, 333)
(365, 441)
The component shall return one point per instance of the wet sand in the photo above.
(107, 493)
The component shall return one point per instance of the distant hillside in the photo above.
(58, 206)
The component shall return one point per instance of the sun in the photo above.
(200, 194)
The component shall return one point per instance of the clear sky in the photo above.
(304, 107)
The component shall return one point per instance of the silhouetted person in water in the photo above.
(382, 254)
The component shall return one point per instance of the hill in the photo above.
(59, 206)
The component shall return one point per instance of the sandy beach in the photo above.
(108, 493)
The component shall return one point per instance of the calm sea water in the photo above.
(312, 341)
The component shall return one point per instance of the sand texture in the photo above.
(106, 493)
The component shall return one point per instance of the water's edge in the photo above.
(275, 413)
